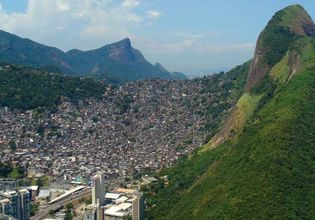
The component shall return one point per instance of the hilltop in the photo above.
(260, 164)
(116, 63)
(278, 36)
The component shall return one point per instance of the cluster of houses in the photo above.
(140, 126)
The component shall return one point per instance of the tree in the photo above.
(69, 214)
(40, 182)
(33, 208)
(69, 206)
(12, 145)
(5, 169)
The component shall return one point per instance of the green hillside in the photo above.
(265, 168)
(26, 88)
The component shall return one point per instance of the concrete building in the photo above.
(93, 212)
(7, 185)
(98, 194)
(44, 194)
(149, 180)
(34, 190)
(98, 189)
(138, 207)
(100, 213)
(90, 213)
(24, 206)
(15, 204)
(118, 212)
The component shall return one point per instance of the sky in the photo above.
(183, 35)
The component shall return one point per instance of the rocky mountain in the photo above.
(275, 40)
(117, 62)
(260, 165)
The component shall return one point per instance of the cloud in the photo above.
(63, 6)
(130, 3)
(152, 14)
(171, 47)
(203, 43)
(82, 24)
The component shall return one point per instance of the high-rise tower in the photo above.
(138, 207)
(98, 189)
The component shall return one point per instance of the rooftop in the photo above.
(120, 210)
(112, 195)
(44, 193)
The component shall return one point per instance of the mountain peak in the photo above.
(123, 52)
(285, 27)
(296, 18)
(126, 43)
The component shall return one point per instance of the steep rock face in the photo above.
(286, 26)
(123, 52)
(282, 31)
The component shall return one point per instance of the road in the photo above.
(72, 198)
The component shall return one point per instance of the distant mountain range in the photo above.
(117, 62)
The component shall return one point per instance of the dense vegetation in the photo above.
(25, 88)
(8, 171)
(265, 172)
(34, 207)
(276, 40)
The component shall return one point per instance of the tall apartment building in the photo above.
(138, 207)
(15, 204)
(98, 189)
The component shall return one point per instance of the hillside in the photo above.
(117, 62)
(27, 88)
(261, 163)
(145, 125)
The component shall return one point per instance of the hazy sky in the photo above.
(183, 35)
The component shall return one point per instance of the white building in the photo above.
(98, 189)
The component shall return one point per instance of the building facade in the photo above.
(98, 189)
(138, 207)
(15, 204)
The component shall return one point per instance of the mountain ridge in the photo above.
(118, 61)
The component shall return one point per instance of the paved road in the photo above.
(71, 198)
